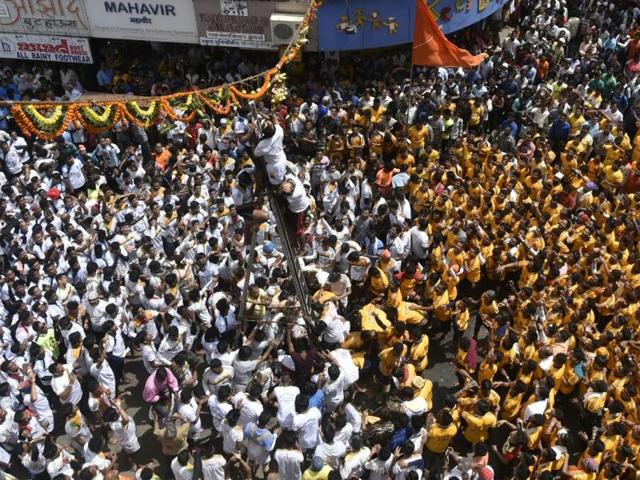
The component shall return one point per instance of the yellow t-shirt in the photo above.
(439, 437)
(462, 320)
(420, 353)
(576, 122)
(380, 283)
(417, 136)
(369, 323)
(474, 269)
(376, 115)
(478, 427)
(613, 176)
(476, 114)
(511, 406)
(321, 475)
(406, 314)
(441, 306)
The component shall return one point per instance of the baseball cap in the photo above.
(317, 464)
(386, 254)
(269, 247)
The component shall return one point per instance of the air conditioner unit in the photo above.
(284, 27)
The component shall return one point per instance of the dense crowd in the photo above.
(482, 219)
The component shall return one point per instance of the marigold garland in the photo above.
(224, 110)
(171, 113)
(49, 120)
(31, 121)
(256, 94)
(143, 117)
(98, 122)
(213, 101)
(189, 108)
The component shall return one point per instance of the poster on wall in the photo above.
(53, 17)
(361, 24)
(454, 15)
(240, 23)
(152, 20)
(238, 8)
(45, 48)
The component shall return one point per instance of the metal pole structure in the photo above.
(295, 271)
(247, 275)
(410, 103)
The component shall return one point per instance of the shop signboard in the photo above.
(45, 48)
(241, 23)
(151, 20)
(51, 17)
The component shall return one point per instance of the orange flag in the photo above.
(431, 48)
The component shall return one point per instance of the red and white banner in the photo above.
(45, 48)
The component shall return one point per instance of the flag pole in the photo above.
(410, 85)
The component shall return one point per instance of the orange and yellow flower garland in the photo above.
(49, 120)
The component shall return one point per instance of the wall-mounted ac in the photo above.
(284, 27)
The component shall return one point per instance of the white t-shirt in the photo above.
(331, 453)
(74, 174)
(250, 409)
(402, 472)
(345, 434)
(536, 407)
(231, 436)
(307, 426)
(57, 466)
(274, 157)
(213, 468)
(242, 372)
(354, 417)
(379, 469)
(333, 392)
(212, 381)
(354, 463)
(59, 384)
(126, 435)
(345, 361)
(415, 406)
(286, 397)
(419, 242)
(42, 409)
(168, 349)
(12, 161)
(104, 375)
(297, 200)
(180, 472)
(218, 411)
(188, 411)
(289, 464)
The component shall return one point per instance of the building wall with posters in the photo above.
(33, 29)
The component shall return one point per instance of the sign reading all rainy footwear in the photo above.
(152, 20)
(45, 48)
